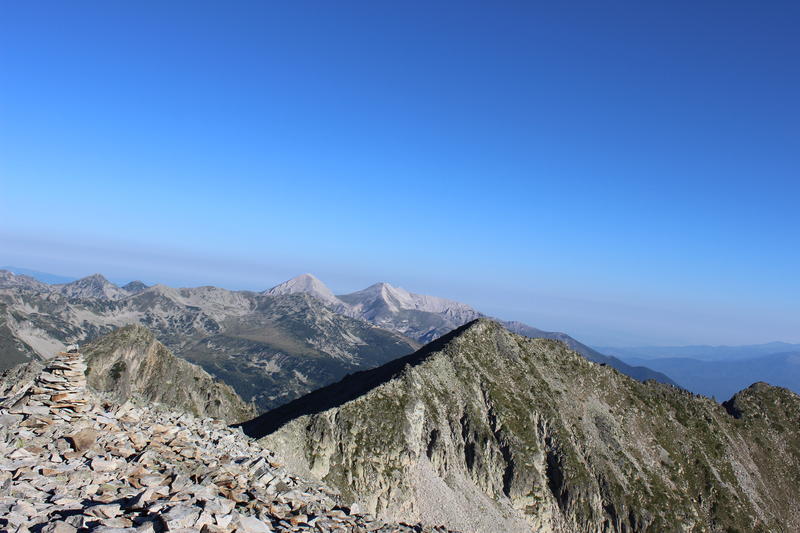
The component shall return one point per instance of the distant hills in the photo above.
(702, 352)
(719, 371)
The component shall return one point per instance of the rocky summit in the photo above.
(485, 430)
(74, 460)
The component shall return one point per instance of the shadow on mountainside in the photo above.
(349, 388)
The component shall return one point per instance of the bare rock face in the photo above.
(131, 362)
(148, 470)
(485, 430)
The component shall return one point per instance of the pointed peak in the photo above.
(93, 278)
(94, 286)
(304, 283)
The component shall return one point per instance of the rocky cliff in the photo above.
(484, 430)
(130, 363)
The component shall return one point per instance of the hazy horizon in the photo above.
(624, 173)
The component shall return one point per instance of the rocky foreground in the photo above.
(74, 460)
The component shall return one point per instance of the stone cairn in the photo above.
(59, 390)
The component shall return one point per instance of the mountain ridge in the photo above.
(130, 362)
(487, 429)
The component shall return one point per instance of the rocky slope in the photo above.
(269, 348)
(130, 363)
(484, 430)
(72, 460)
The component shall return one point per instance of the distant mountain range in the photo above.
(702, 352)
(270, 346)
(719, 371)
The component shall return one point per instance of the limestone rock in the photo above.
(83, 439)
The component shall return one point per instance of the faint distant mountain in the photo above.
(637, 371)
(426, 318)
(44, 277)
(134, 287)
(701, 352)
(722, 378)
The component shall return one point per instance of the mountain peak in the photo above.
(135, 287)
(305, 283)
(93, 286)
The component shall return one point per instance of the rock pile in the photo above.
(72, 460)
(59, 390)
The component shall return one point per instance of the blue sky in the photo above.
(627, 173)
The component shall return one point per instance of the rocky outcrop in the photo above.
(130, 362)
(104, 467)
(484, 430)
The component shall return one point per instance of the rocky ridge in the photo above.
(72, 460)
(130, 362)
(484, 430)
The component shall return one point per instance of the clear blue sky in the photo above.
(628, 172)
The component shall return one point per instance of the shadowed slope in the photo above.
(349, 388)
